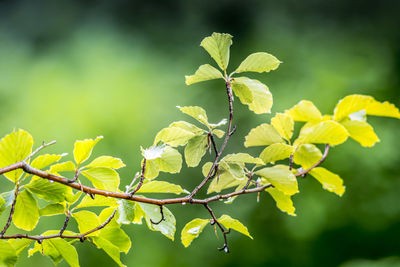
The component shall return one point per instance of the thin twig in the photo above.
(303, 173)
(162, 216)
(65, 223)
(141, 179)
(224, 232)
(16, 191)
(44, 145)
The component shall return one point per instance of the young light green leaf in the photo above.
(195, 150)
(225, 177)
(242, 158)
(166, 227)
(261, 96)
(2, 205)
(106, 161)
(83, 149)
(103, 178)
(125, 211)
(192, 230)
(49, 191)
(217, 45)
(8, 255)
(62, 167)
(15, 147)
(384, 109)
(325, 132)
(26, 212)
(117, 237)
(304, 111)
(307, 155)
(19, 244)
(87, 221)
(218, 133)
(258, 62)
(234, 224)
(109, 248)
(170, 161)
(45, 160)
(173, 136)
(52, 209)
(284, 124)
(263, 135)
(283, 202)
(188, 127)
(276, 152)
(203, 73)
(281, 178)
(197, 113)
(98, 201)
(105, 215)
(161, 187)
(362, 132)
(330, 181)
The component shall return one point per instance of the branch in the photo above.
(141, 178)
(162, 216)
(44, 145)
(304, 173)
(224, 232)
(65, 223)
(16, 191)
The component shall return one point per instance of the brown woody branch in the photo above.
(9, 220)
(223, 231)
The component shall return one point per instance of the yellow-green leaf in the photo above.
(258, 62)
(170, 161)
(106, 161)
(192, 230)
(117, 237)
(217, 45)
(52, 209)
(307, 155)
(49, 191)
(188, 127)
(261, 97)
(161, 187)
(283, 202)
(197, 113)
(362, 132)
(62, 167)
(242, 158)
(98, 201)
(45, 160)
(218, 133)
(305, 111)
(19, 244)
(195, 150)
(166, 227)
(234, 224)
(83, 149)
(15, 147)
(325, 132)
(281, 178)
(263, 135)
(109, 248)
(103, 178)
(8, 255)
(276, 152)
(173, 136)
(330, 181)
(203, 73)
(26, 212)
(87, 221)
(284, 124)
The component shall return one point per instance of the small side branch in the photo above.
(65, 223)
(16, 191)
(223, 231)
(139, 185)
(303, 173)
(162, 216)
(44, 145)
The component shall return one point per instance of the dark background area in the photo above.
(72, 70)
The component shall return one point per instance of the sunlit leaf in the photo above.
(192, 230)
(103, 178)
(8, 255)
(304, 111)
(195, 150)
(166, 227)
(203, 73)
(109, 248)
(45, 160)
(307, 155)
(284, 124)
(258, 62)
(19, 244)
(242, 91)
(161, 187)
(125, 211)
(106, 161)
(217, 45)
(218, 133)
(49, 191)
(170, 161)
(26, 212)
(276, 152)
(263, 135)
(197, 113)
(15, 147)
(2, 205)
(362, 132)
(188, 127)
(87, 221)
(330, 181)
(98, 201)
(117, 237)
(325, 132)
(83, 149)
(62, 167)
(234, 224)
(173, 136)
(242, 158)
(283, 202)
(281, 178)
(52, 209)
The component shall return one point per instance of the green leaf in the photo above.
(283, 202)
(204, 73)
(103, 178)
(8, 255)
(117, 237)
(109, 248)
(325, 132)
(106, 161)
(242, 158)
(307, 155)
(174, 136)
(62, 167)
(26, 213)
(188, 127)
(195, 150)
(362, 132)
(281, 178)
(98, 201)
(52, 209)
(263, 135)
(354, 103)
(2, 205)
(15, 147)
(106, 213)
(170, 161)
(218, 133)
(276, 152)
(217, 45)
(166, 227)
(284, 124)
(330, 181)
(87, 221)
(49, 191)
(234, 224)
(261, 97)
(192, 230)
(126, 211)
(83, 149)
(195, 112)
(45, 160)
(161, 187)
(258, 62)
(304, 111)
(19, 244)
(228, 175)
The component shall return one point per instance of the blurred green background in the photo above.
(72, 70)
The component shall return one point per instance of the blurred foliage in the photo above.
(72, 70)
